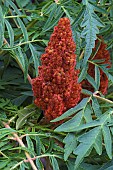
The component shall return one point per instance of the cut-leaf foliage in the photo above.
(10, 32)
(54, 16)
(92, 138)
(90, 25)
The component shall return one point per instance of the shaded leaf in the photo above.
(23, 28)
(10, 32)
(24, 114)
(1, 27)
(35, 57)
(54, 163)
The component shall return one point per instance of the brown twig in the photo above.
(103, 99)
(30, 160)
(56, 1)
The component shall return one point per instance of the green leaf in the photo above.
(6, 130)
(24, 149)
(3, 143)
(98, 144)
(97, 77)
(73, 110)
(30, 144)
(99, 9)
(90, 25)
(105, 70)
(83, 73)
(107, 140)
(54, 17)
(20, 57)
(87, 142)
(35, 58)
(23, 61)
(87, 92)
(19, 100)
(50, 146)
(22, 166)
(3, 163)
(10, 32)
(9, 2)
(79, 16)
(1, 27)
(24, 114)
(39, 164)
(94, 123)
(107, 166)
(67, 14)
(38, 145)
(96, 107)
(51, 16)
(70, 125)
(70, 145)
(77, 39)
(88, 113)
(54, 163)
(23, 28)
(92, 81)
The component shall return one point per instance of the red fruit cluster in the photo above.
(104, 57)
(56, 88)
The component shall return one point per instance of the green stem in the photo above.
(16, 16)
(27, 42)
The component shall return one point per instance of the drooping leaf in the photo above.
(35, 57)
(24, 114)
(1, 27)
(54, 163)
(4, 163)
(39, 164)
(30, 144)
(97, 77)
(10, 32)
(9, 2)
(23, 28)
(38, 145)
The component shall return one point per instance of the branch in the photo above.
(101, 98)
(56, 1)
(22, 144)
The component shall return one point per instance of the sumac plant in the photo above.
(56, 85)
